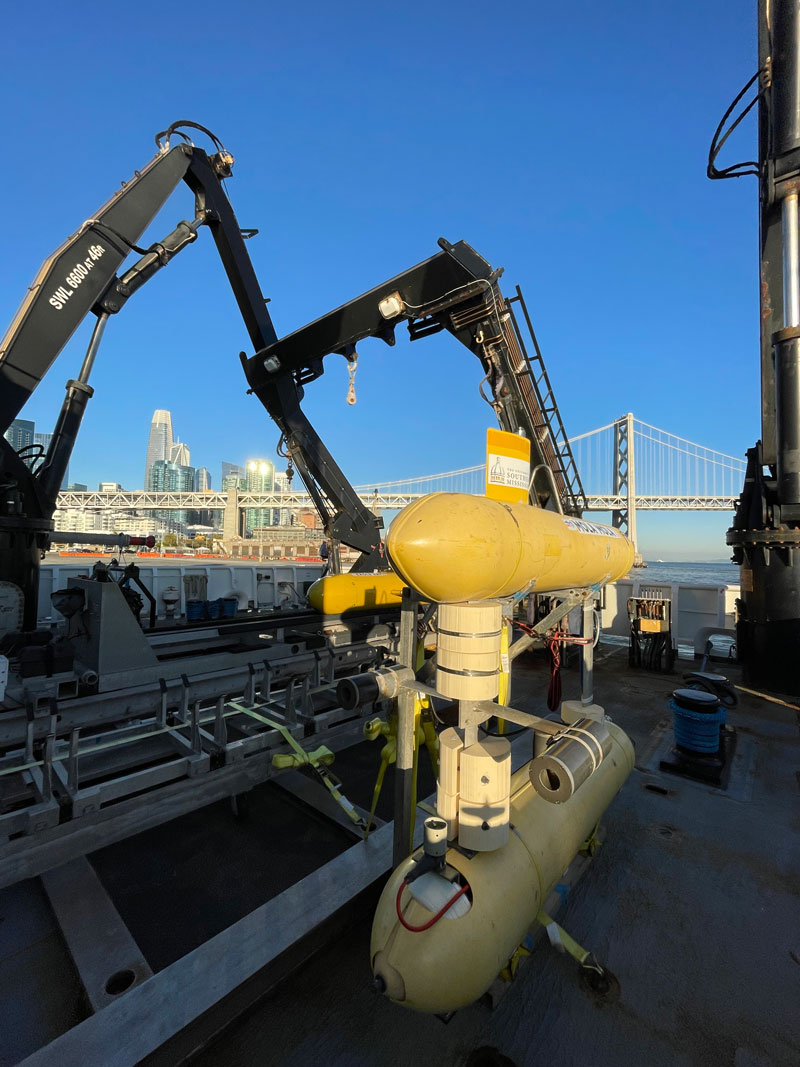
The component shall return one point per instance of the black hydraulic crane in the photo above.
(80, 278)
(765, 535)
(456, 290)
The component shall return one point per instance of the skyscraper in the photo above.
(202, 484)
(19, 434)
(179, 453)
(44, 440)
(159, 443)
(233, 472)
(168, 477)
(281, 516)
(259, 478)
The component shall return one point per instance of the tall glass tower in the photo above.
(20, 434)
(44, 440)
(232, 476)
(159, 443)
(259, 478)
(169, 477)
(179, 453)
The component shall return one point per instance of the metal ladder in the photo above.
(546, 430)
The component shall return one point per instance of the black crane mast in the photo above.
(765, 535)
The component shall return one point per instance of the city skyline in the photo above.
(257, 475)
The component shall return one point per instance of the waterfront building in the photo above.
(259, 478)
(81, 520)
(159, 443)
(109, 487)
(141, 525)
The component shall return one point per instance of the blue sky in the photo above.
(567, 143)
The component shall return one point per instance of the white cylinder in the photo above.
(484, 790)
(435, 844)
(563, 767)
(468, 650)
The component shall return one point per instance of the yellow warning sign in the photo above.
(508, 466)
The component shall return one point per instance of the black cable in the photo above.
(96, 224)
(735, 170)
(508, 733)
(174, 128)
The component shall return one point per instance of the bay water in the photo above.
(688, 573)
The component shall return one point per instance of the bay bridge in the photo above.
(625, 466)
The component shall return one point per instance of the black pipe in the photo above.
(765, 535)
(784, 33)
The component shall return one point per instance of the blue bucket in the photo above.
(697, 719)
(195, 610)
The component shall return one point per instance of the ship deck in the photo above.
(693, 902)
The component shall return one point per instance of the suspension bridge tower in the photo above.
(624, 518)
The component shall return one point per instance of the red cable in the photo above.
(554, 689)
(437, 916)
(569, 639)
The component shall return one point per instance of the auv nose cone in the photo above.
(454, 547)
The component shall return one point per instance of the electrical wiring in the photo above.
(554, 688)
(419, 307)
(508, 733)
(175, 128)
(105, 230)
(736, 170)
(436, 917)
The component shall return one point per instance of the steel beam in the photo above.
(404, 764)
(106, 957)
(395, 498)
(138, 1022)
(53, 845)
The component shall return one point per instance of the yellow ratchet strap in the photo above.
(316, 759)
(560, 939)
